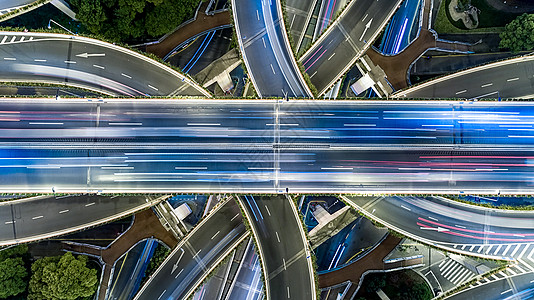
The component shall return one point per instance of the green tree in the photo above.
(12, 277)
(132, 19)
(62, 277)
(519, 34)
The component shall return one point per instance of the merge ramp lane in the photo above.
(197, 254)
(88, 63)
(342, 44)
(456, 226)
(283, 247)
(266, 52)
(37, 218)
(504, 79)
(299, 13)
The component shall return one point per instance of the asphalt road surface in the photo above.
(88, 63)
(514, 287)
(505, 79)
(266, 50)
(468, 228)
(188, 263)
(238, 146)
(299, 13)
(284, 251)
(40, 217)
(346, 40)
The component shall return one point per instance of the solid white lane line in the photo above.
(486, 85)
(277, 237)
(461, 92)
(153, 87)
(38, 217)
(268, 210)
(40, 60)
(90, 204)
(100, 67)
(126, 75)
(64, 211)
(215, 234)
(512, 79)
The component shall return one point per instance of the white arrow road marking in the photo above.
(438, 229)
(87, 55)
(367, 26)
(176, 264)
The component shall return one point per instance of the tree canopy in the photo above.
(518, 35)
(62, 277)
(12, 271)
(132, 19)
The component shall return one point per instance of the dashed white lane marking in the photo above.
(161, 294)
(70, 62)
(277, 237)
(9, 222)
(288, 295)
(153, 87)
(272, 69)
(38, 217)
(89, 204)
(406, 208)
(9, 58)
(126, 75)
(268, 210)
(512, 79)
(100, 67)
(64, 211)
(506, 291)
(234, 217)
(215, 234)
(39, 60)
(486, 85)
(461, 92)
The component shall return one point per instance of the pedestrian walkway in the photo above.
(145, 225)
(354, 271)
(202, 23)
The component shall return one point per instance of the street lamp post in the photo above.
(63, 27)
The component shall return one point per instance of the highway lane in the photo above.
(282, 247)
(42, 217)
(508, 288)
(342, 44)
(88, 63)
(247, 283)
(237, 146)
(266, 52)
(299, 13)
(505, 79)
(9, 5)
(467, 228)
(197, 254)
